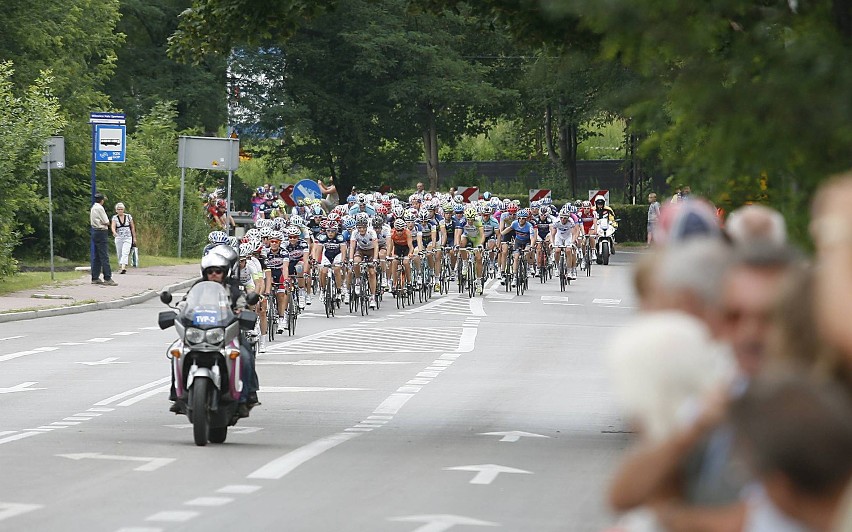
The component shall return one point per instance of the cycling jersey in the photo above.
(356, 209)
(563, 232)
(400, 238)
(364, 242)
(523, 235)
(543, 225)
(275, 261)
(331, 245)
(490, 227)
(507, 219)
(587, 216)
(426, 234)
(315, 228)
(449, 226)
(383, 235)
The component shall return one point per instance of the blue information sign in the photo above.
(109, 143)
(305, 189)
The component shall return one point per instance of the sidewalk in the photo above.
(136, 286)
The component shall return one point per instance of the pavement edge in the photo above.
(89, 307)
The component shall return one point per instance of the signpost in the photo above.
(109, 148)
(538, 194)
(306, 189)
(469, 194)
(54, 158)
(602, 192)
(287, 195)
(206, 153)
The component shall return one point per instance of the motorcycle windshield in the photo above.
(207, 305)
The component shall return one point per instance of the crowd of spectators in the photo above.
(736, 376)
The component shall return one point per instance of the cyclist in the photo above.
(564, 232)
(525, 240)
(276, 259)
(364, 247)
(329, 253)
(587, 217)
(298, 259)
(469, 233)
(542, 221)
(215, 238)
(490, 228)
(506, 219)
(361, 206)
(416, 231)
(403, 248)
(383, 232)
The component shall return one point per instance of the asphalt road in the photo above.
(458, 414)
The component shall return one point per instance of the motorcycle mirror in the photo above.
(252, 298)
(166, 319)
(166, 297)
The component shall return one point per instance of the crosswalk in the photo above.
(350, 340)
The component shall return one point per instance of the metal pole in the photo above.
(180, 212)
(91, 229)
(50, 211)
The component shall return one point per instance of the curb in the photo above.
(89, 307)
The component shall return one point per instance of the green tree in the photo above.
(27, 118)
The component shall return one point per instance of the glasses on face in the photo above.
(219, 271)
(120, 209)
(274, 241)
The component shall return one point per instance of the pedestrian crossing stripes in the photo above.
(459, 306)
(350, 340)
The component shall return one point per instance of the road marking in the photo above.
(430, 374)
(46, 427)
(563, 299)
(513, 436)
(607, 301)
(440, 523)
(440, 362)
(476, 307)
(209, 501)
(513, 302)
(16, 437)
(12, 337)
(393, 403)
(65, 423)
(11, 509)
(467, 340)
(152, 464)
(19, 354)
(449, 356)
(139, 529)
(88, 414)
(436, 368)
(71, 343)
(97, 409)
(143, 396)
(331, 363)
(76, 419)
(419, 382)
(100, 340)
(357, 429)
(282, 465)
(297, 389)
(173, 517)
(374, 421)
(23, 387)
(149, 328)
(4, 432)
(380, 417)
(110, 360)
(126, 333)
(349, 341)
(122, 395)
(241, 489)
(409, 389)
(565, 304)
(486, 473)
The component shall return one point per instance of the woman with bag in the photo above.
(124, 231)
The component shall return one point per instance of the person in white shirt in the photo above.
(124, 231)
(100, 229)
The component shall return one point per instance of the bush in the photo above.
(633, 222)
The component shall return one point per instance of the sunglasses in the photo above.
(215, 270)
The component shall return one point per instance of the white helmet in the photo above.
(399, 224)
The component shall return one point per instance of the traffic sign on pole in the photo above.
(538, 194)
(287, 195)
(110, 143)
(602, 192)
(307, 189)
(468, 193)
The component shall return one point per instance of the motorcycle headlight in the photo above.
(215, 336)
(194, 336)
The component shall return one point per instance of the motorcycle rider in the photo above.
(217, 266)
(602, 210)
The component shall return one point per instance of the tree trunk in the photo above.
(548, 135)
(430, 152)
(568, 154)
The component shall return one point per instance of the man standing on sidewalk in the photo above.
(100, 229)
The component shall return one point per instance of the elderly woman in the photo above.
(124, 231)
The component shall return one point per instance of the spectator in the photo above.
(100, 227)
(124, 231)
(332, 199)
(797, 437)
(678, 194)
(653, 216)
(756, 222)
(203, 195)
(420, 189)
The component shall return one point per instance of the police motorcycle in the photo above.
(605, 240)
(206, 358)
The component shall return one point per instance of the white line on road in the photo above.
(209, 501)
(393, 403)
(151, 464)
(76, 419)
(150, 328)
(97, 409)
(331, 363)
(476, 307)
(65, 423)
(37, 350)
(430, 374)
(11, 509)
(513, 302)
(440, 523)
(143, 396)
(409, 389)
(486, 473)
(100, 340)
(173, 517)
(241, 489)
(467, 340)
(419, 382)
(357, 429)
(70, 343)
(296, 389)
(126, 333)
(16, 437)
(23, 387)
(122, 395)
(4, 432)
(12, 337)
(282, 465)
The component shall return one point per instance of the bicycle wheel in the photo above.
(587, 258)
(563, 274)
(271, 317)
(327, 298)
(471, 278)
(292, 313)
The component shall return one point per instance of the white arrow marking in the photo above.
(10, 356)
(439, 523)
(514, 435)
(11, 509)
(110, 360)
(486, 473)
(23, 387)
(152, 463)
